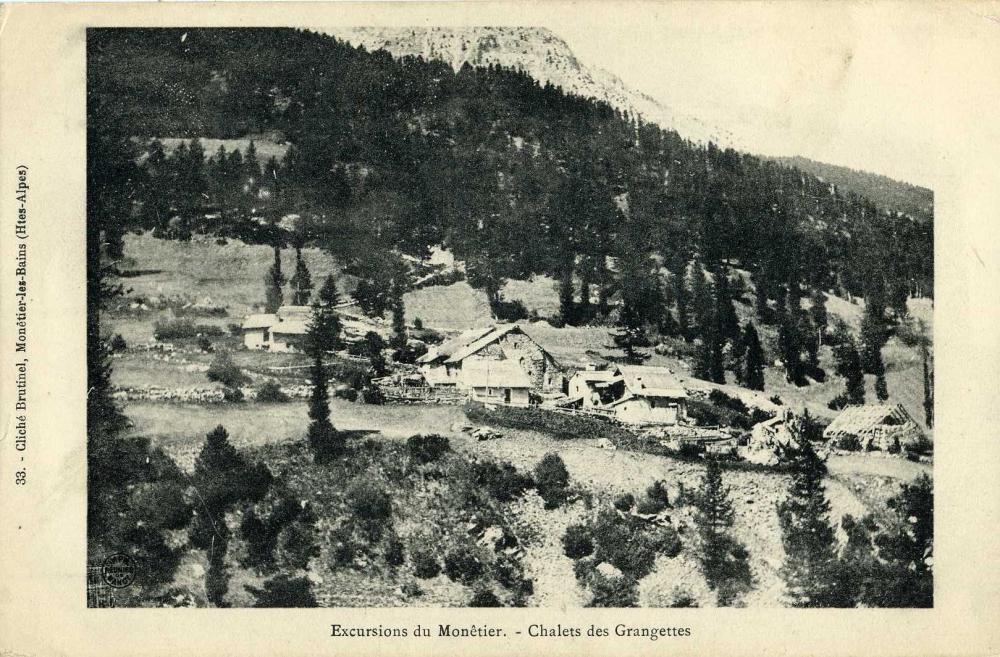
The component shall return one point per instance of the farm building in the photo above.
(649, 395)
(875, 426)
(592, 387)
(496, 381)
(283, 331)
(443, 365)
(773, 440)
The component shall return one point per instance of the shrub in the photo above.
(425, 449)
(284, 591)
(554, 424)
(776, 400)
(176, 329)
(205, 344)
(418, 324)
(394, 554)
(226, 372)
(462, 566)
(484, 598)
(615, 592)
(346, 393)
(657, 492)
(426, 335)
(270, 392)
(583, 568)
(503, 482)
(117, 343)
(232, 394)
(624, 502)
(647, 506)
(412, 590)
(552, 480)
(372, 394)
(509, 311)
(665, 541)
(850, 443)
(369, 503)
(577, 542)
(624, 544)
(425, 564)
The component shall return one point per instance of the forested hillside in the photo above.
(888, 194)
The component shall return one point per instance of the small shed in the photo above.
(885, 427)
(256, 330)
(592, 386)
(774, 440)
(288, 336)
(496, 382)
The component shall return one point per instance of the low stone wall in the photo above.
(197, 394)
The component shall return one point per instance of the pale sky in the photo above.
(863, 86)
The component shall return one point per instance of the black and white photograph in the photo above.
(500, 316)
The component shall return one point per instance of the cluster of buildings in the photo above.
(503, 365)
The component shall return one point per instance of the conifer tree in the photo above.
(791, 349)
(818, 314)
(723, 559)
(848, 365)
(301, 281)
(374, 346)
(629, 333)
(752, 375)
(567, 307)
(328, 294)
(398, 339)
(324, 440)
(725, 312)
(274, 281)
(702, 301)
(810, 567)
(928, 375)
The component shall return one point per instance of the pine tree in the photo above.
(374, 347)
(398, 339)
(810, 567)
(274, 280)
(791, 349)
(567, 306)
(725, 312)
(753, 364)
(324, 440)
(723, 560)
(818, 314)
(629, 333)
(848, 361)
(301, 281)
(928, 375)
(328, 294)
(702, 301)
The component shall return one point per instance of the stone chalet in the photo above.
(635, 394)
(875, 426)
(445, 364)
(283, 331)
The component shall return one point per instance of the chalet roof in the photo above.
(595, 375)
(644, 381)
(448, 347)
(290, 327)
(466, 344)
(259, 321)
(480, 373)
(858, 419)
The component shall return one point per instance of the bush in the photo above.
(509, 311)
(232, 394)
(117, 343)
(484, 598)
(614, 593)
(850, 443)
(657, 492)
(369, 503)
(205, 345)
(554, 424)
(177, 329)
(345, 393)
(649, 507)
(624, 502)
(394, 554)
(425, 564)
(425, 449)
(503, 482)
(577, 542)
(226, 372)
(462, 566)
(418, 324)
(776, 400)
(372, 394)
(270, 392)
(629, 546)
(552, 480)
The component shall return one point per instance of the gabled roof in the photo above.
(644, 381)
(490, 337)
(861, 418)
(259, 321)
(448, 347)
(595, 375)
(290, 327)
(480, 373)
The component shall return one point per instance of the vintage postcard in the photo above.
(567, 328)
